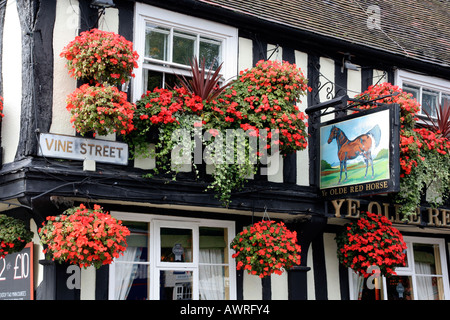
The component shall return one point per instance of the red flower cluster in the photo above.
(263, 98)
(266, 247)
(100, 56)
(371, 241)
(409, 143)
(161, 106)
(1, 108)
(84, 237)
(434, 141)
(5, 248)
(103, 109)
(14, 235)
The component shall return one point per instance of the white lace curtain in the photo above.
(125, 273)
(211, 277)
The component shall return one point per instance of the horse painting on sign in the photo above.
(351, 149)
(355, 150)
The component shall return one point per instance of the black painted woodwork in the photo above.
(37, 21)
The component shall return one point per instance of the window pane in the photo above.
(183, 47)
(425, 259)
(131, 278)
(399, 288)
(152, 80)
(214, 278)
(415, 91)
(429, 101)
(210, 51)
(360, 290)
(156, 42)
(175, 285)
(214, 282)
(213, 245)
(429, 288)
(445, 101)
(176, 245)
(155, 79)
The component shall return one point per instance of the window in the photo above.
(174, 260)
(430, 92)
(166, 42)
(424, 277)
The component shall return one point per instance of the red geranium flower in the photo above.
(266, 247)
(371, 240)
(84, 237)
(101, 56)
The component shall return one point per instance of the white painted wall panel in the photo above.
(332, 266)
(65, 30)
(12, 81)
(301, 60)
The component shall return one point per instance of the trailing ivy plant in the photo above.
(239, 124)
(424, 152)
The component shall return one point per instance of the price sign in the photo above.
(16, 275)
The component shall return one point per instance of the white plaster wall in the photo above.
(109, 21)
(310, 276)
(327, 73)
(252, 287)
(65, 30)
(353, 82)
(279, 284)
(245, 56)
(332, 266)
(12, 81)
(38, 269)
(301, 60)
(274, 53)
(379, 76)
(87, 290)
(275, 171)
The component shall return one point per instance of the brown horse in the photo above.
(351, 149)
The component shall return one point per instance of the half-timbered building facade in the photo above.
(343, 47)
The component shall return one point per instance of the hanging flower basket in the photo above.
(102, 109)
(371, 240)
(424, 154)
(14, 235)
(84, 237)
(100, 56)
(266, 247)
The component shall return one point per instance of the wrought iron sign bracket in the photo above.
(341, 104)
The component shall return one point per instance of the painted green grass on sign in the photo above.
(355, 174)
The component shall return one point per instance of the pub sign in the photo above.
(359, 153)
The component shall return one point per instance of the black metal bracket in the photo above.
(342, 104)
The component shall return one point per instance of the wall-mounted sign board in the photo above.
(16, 275)
(359, 153)
(77, 148)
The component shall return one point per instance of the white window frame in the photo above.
(409, 271)
(149, 14)
(154, 263)
(423, 82)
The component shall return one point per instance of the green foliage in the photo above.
(259, 104)
(324, 165)
(14, 235)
